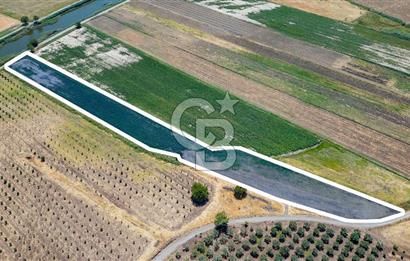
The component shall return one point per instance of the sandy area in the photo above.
(7, 22)
(336, 9)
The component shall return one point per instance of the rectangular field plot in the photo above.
(355, 40)
(158, 88)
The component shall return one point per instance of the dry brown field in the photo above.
(18, 8)
(75, 191)
(336, 9)
(7, 22)
(396, 8)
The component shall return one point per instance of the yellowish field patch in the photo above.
(7, 22)
(336, 9)
(18, 8)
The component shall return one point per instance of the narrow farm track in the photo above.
(373, 144)
(262, 41)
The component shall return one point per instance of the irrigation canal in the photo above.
(253, 171)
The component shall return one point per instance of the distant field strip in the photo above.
(261, 174)
(354, 40)
(105, 62)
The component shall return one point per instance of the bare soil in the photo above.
(75, 191)
(18, 8)
(382, 148)
(397, 8)
(7, 22)
(336, 9)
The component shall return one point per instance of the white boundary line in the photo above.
(178, 157)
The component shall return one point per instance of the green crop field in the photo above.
(158, 88)
(352, 39)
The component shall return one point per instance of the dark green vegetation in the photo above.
(221, 222)
(158, 89)
(352, 39)
(199, 193)
(290, 241)
(239, 192)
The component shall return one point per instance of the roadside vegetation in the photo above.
(158, 88)
(285, 241)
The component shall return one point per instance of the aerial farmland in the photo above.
(204, 130)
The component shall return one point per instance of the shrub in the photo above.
(239, 253)
(291, 245)
(244, 232)
(368, 238)
(293, 226)
(379, 245)
(254, 252)
(78, 25)
(209, 240)
(325, 238)
(199, 193)
(261, 247)
(314, 253)
(375, 252)
(284, 252)
(268, 239)
(273, 232)
(200, 247)
(336, 246)
(321, 227)
(239, 192)
(305, 245)
(253, 239)
(325, 258)
(24, 20)
(287, 232)
(355, 258)
(278, 258)
(296, 239)
(225, 253)
(330, 252)
(360, 251)
(217, 258)
(269, 253)
(301, 232)
(341, 258)
(278, 226)
(221, 221)
(343, 232)
(263, 258)
(209, 253)
(300, 252)
(245, 246)
(330, 232)
(355, 237)
(306, 226)
(275, 244)
(216, 246)
(231, 247)
(364, 244)
(339, 239)
(319, 245)
(259, 233)
(202, 258)
(294, 258)
(177, 255)
(310, 258)
(282, 238)
(370, 258)
(311, 239)
(316, 232)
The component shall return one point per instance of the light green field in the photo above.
(158, 89)
(344, 167)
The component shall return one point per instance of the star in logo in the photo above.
(227, 104)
